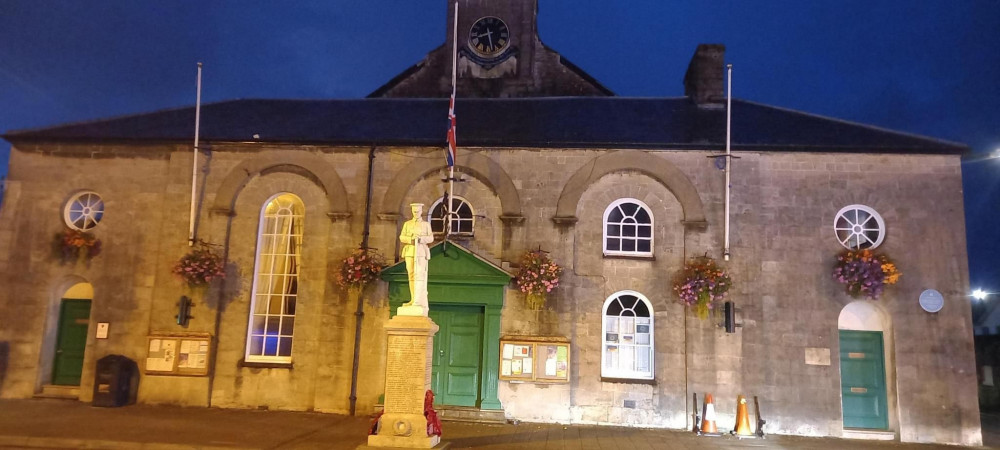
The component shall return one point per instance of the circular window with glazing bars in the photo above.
(83, 211)
(859, 227)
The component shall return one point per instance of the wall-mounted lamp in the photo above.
(184, 311)
(729, 317)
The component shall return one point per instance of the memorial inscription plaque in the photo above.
(405, 394)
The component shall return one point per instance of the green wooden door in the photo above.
(71, 341)
(862, 380)
(457, 354)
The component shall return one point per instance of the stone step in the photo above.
(467, 414)
(58, 391)
(875, 435)
(464, 414)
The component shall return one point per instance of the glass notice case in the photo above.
(541, 359)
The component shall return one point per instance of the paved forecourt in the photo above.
(71, 424)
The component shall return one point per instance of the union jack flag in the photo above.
(452, 144)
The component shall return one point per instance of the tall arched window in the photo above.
(628, 228)
(276, 280)
(627, 333)
(463, 218)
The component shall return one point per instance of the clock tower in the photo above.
(499, 55)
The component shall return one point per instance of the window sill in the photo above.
(651, 382)
(263, 365)
(635, 257)
(454, 236)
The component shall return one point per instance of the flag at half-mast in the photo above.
(452, 144)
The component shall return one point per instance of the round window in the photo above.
(859, 227)
(84, 211)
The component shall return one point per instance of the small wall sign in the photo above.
(817, 356)
(102, 330)
(931, 301)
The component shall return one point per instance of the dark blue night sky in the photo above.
(925, 67)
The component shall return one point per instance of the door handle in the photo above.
(441, 352)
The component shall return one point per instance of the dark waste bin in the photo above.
(117, 381)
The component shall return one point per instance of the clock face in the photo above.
(489, 36)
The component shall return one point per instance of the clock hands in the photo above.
(489, 35)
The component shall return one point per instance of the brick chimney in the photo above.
(703, 82)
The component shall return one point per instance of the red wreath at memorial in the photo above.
(433, 423)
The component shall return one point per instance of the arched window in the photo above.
(276, 280)
(463, 218)
(628, 228)
(859, 227)
(627, 333)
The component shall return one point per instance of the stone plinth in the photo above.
(407, 379)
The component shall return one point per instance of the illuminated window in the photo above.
(463, 218)
(859, 227)
(627, 332)
(276, 280)
(628, 228)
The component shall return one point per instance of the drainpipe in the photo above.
(359, 313)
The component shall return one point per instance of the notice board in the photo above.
(543, 359)
(178, 354)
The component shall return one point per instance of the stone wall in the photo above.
(783, 245)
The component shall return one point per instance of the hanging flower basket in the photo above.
(865, 273)
(702, 283)
(200, 266)
(538, 276)
(360, 268)
(72, 245)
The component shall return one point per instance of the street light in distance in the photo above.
(978, 157)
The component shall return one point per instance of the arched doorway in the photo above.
(71, 334)
(863, 330)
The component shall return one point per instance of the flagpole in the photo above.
(194, 165)
(451, 167)
(729, 153)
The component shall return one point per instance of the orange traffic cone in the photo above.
(708, 427)
(742, 428)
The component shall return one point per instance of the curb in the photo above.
(69, 443)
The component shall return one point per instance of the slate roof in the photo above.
(553, 122)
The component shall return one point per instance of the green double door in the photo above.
(71, 342)
(458, 352)
(862, 380)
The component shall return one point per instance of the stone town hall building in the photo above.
(619, 191)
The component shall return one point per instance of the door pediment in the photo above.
(451, 263)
